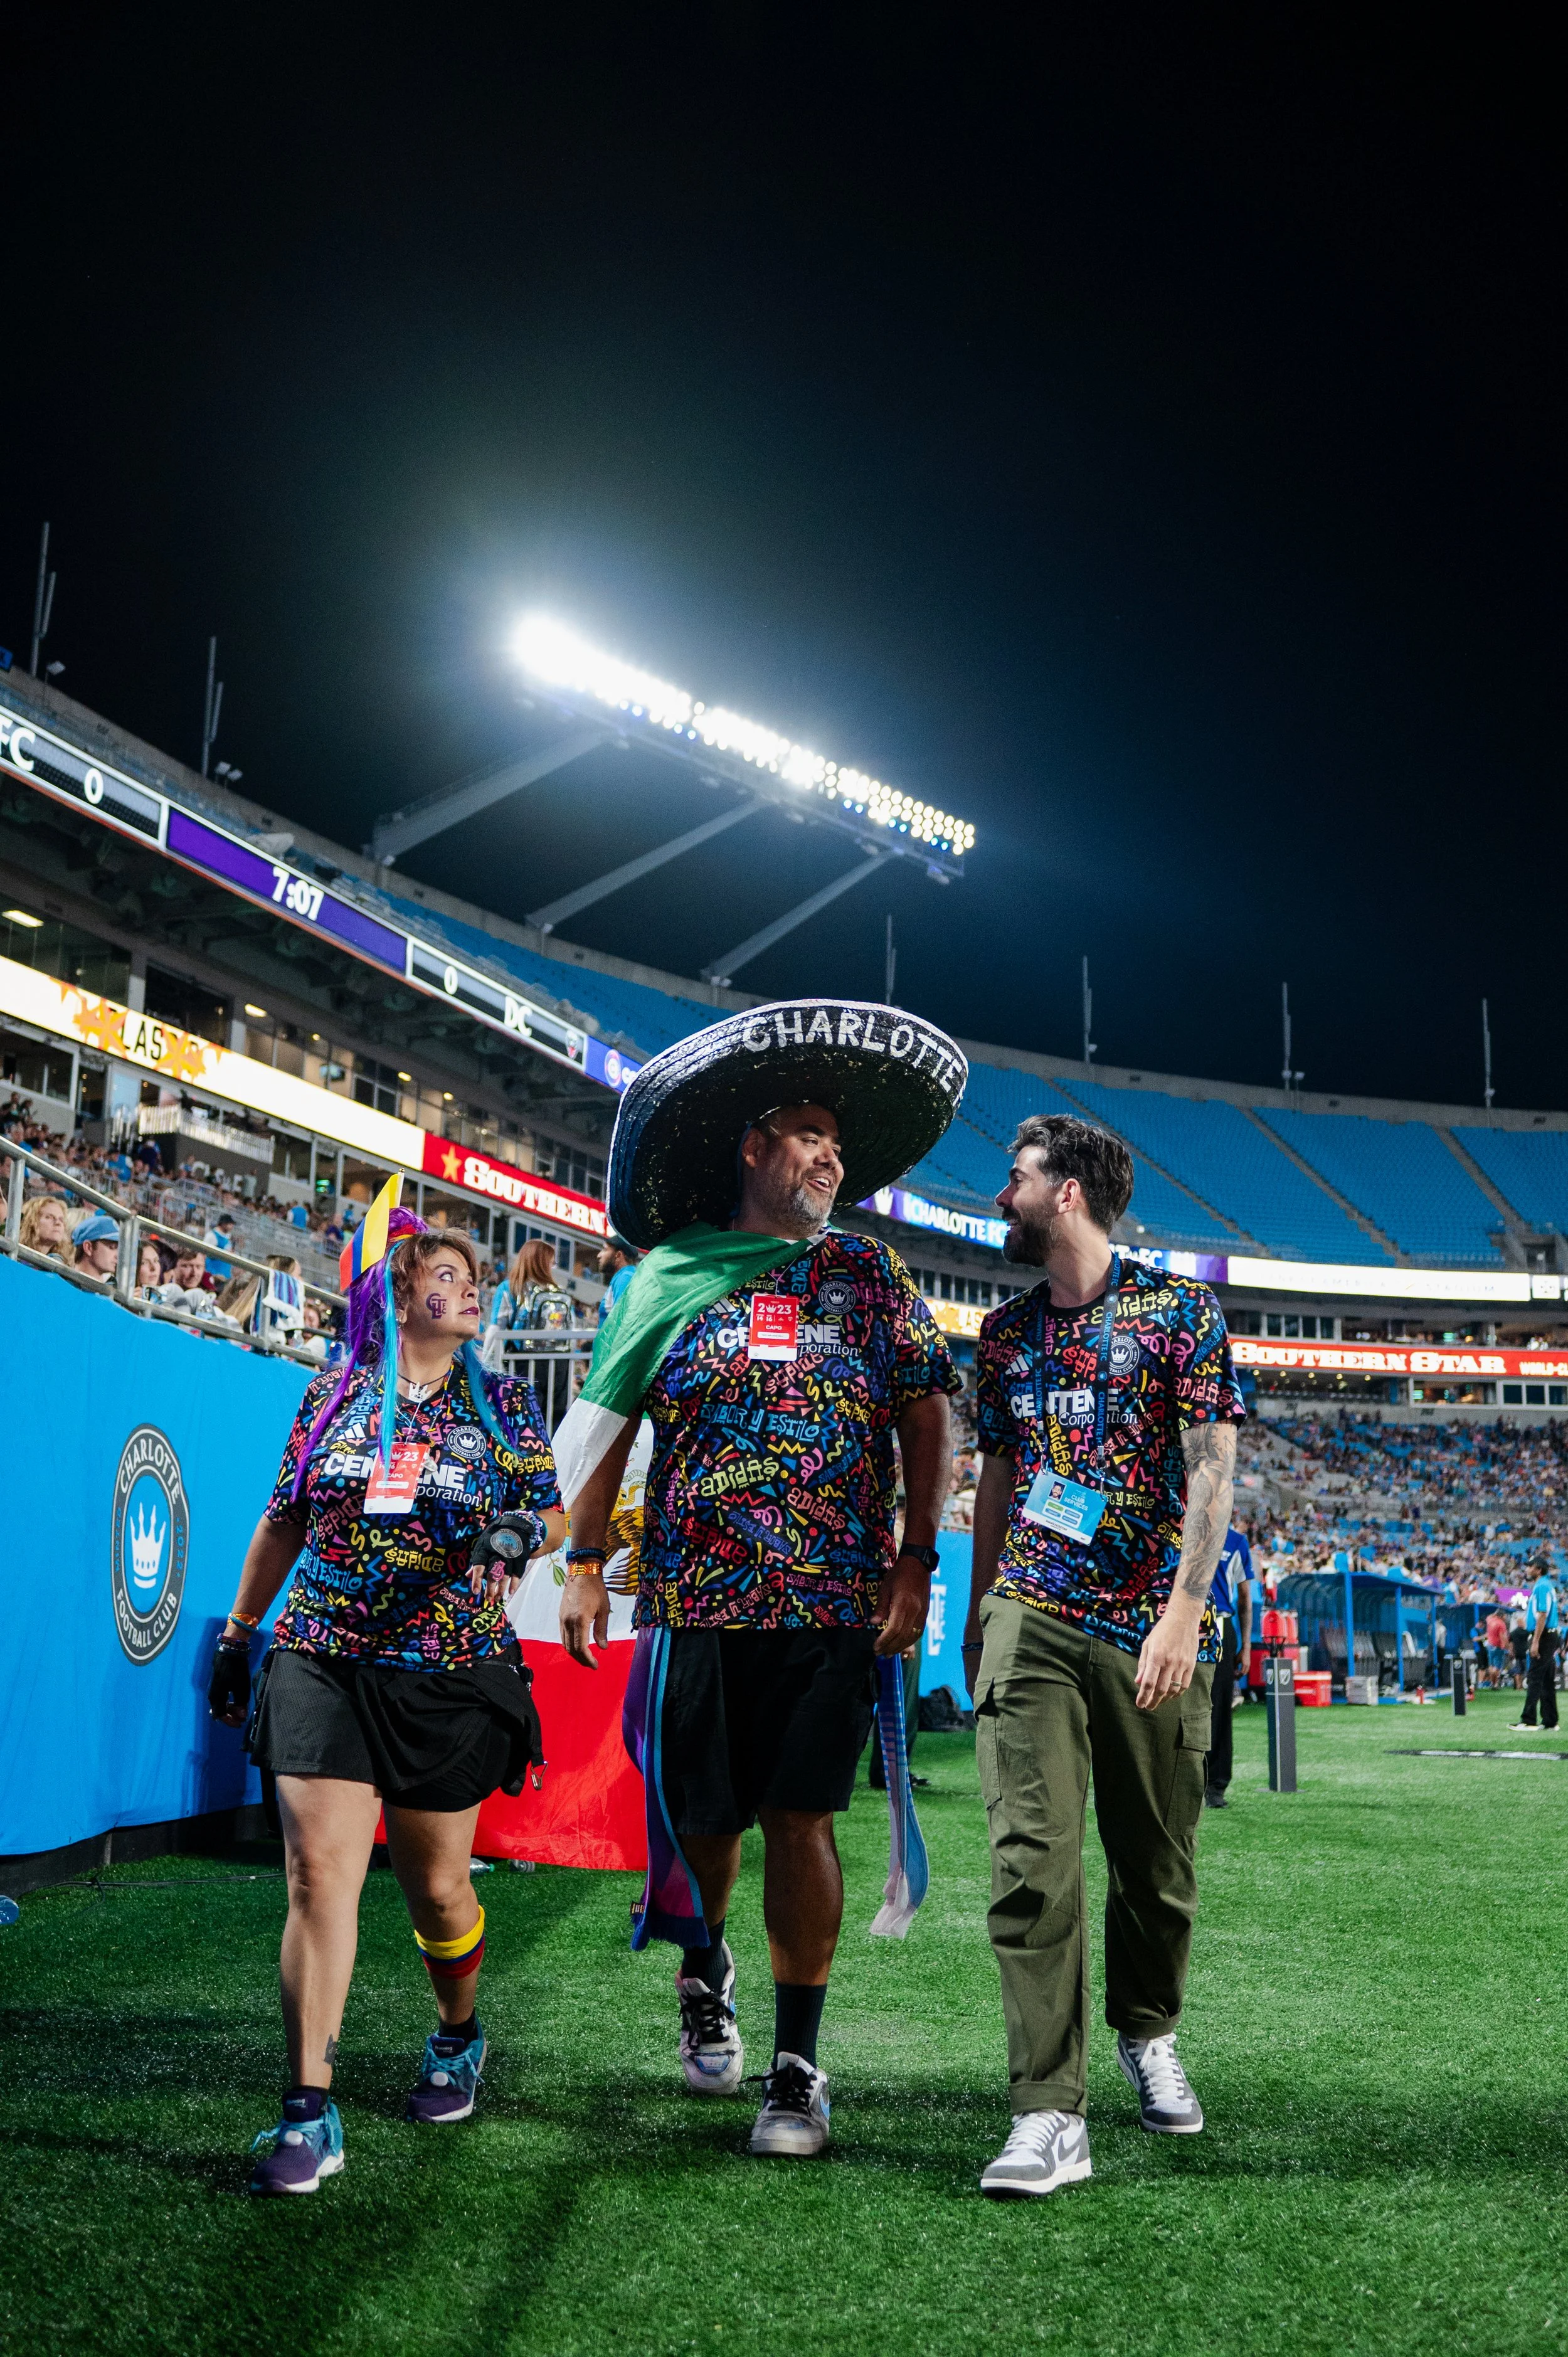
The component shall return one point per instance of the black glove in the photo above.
(502, 1551)
(229, 1688)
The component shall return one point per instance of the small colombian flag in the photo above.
(368, 1245)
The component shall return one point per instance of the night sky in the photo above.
(1140, 436)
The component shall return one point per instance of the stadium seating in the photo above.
(1529, 1167)
(1213, 1147)
(1400, 1175)
(1403, 1176)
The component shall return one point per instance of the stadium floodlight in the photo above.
(558, 657)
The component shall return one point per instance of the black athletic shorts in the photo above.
(762, 1718)
(425, 1739)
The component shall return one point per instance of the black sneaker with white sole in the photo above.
(1166, 2104)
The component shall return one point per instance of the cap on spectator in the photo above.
(99, 1230)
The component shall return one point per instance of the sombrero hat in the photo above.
(893, 1081)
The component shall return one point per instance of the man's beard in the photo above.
(1031, 1242)
(790, 1207)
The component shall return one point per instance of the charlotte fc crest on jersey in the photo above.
(150, 1543)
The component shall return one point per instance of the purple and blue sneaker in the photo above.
(303, 2152)
(448, 2079)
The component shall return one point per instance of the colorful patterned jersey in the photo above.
(770, 1491)
(394, 1588)
(1170, 1367)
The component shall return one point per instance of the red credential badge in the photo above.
(390, 1490)
(775, 1327)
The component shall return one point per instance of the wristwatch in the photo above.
(926, 1555)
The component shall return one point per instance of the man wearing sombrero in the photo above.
(776, 1359)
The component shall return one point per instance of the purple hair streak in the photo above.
(369, 1338)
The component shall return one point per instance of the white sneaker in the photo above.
(1044, 2149)
(712, 2055)
(794, 2115)
(1166, 2104)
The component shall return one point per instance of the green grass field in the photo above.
(1375, 2025)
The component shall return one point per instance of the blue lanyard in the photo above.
(1045, 1339)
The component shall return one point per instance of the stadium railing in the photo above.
(554, 1364)
(133, 1224)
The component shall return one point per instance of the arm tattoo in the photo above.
(331, 2053)
(1210, 1450)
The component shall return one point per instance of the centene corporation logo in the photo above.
(150, 1545)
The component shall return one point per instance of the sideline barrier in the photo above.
(140, 1458)
(942, 1647)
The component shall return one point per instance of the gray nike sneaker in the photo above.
(1044, 2149)
(1166, 2104)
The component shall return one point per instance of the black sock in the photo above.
(302, 2103)
(458, 2034)
(797, 2017)
(706, 1964)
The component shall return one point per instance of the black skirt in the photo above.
(425, 1739)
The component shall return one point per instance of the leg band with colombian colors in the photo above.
(451, 1960)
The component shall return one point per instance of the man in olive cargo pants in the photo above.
(1108, 1407)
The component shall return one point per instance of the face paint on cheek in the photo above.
(437, 1305)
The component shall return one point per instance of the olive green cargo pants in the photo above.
(1051, 1704)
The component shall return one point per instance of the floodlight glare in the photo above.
(557, 655)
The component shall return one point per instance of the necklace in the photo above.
(416, 1394)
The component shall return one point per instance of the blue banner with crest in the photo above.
(140, 1457)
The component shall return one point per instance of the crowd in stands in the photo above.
(200, 1285)
(1473, 1510)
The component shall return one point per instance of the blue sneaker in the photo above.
(448, 2079)
(303, 2153)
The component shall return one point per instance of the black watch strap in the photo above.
(927, 1555)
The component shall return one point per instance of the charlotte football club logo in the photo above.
(150, 1545)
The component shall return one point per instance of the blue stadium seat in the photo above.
(1400, 1174)
(1528, 1166)
(1212, 1147)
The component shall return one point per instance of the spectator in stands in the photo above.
(314, 1333)
(147, 1157)
(616, 1266)
(220, 1235)
(299, 1215)
(152, 1269)
(45, 1228)
(311, 1336)
(95, 1247)
(531, 1297)
(237, 1301)
(187, 1287)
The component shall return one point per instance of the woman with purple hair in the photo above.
(415, 1487)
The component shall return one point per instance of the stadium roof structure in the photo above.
(1265, 1189)
(604, 700)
